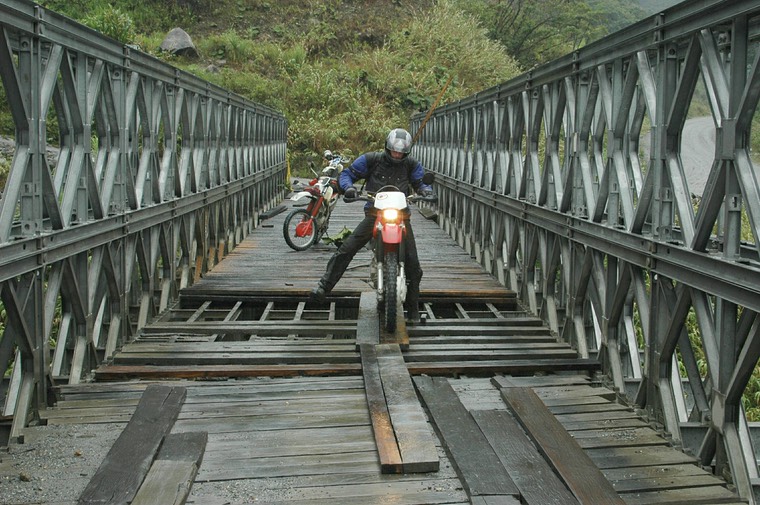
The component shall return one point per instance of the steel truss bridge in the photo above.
(566, 183)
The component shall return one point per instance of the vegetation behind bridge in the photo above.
(346, 71)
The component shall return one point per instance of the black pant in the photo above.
(358, 239)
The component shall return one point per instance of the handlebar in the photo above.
(422, 198)
(336, 156)
(411, 198)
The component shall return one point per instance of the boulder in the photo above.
(179, 42)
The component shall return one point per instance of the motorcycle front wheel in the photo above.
(390, 272)
(300, 230)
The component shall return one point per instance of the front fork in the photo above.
(377, 268)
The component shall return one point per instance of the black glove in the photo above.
(427, 193)
(350, 193)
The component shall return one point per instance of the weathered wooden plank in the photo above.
(285, 441)
(523, 353)
(385, 438)
(579, 402)
(605, 424)
(501, 366)
(473, 348)
(247, 346)
(429, 497)
(705, 495)
(427, 491)
(657, 478)
(574, 391)
(91, 390)
(475, 329)
(519, 319)
(586, 411)
(539, 381)
(126, 464)
(281, 328)
(276, 421)
(189, 446)
(495, 500)
(415, 440)
(367, 321)
(282, 467)
(618, 437)
(239, 450)
(263, 358)
(629, 457)
(168, 482)
(533, 476)
(576, 468)
(470, 340)
(171, 476)
(475, 460)
(121, 372)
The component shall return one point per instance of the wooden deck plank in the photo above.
(655, 478)
(368, 321)
(631, 457)
(533, 476)
(578, 471)
(477, 464)
(126, 464)
(415, 440)
(385, 438)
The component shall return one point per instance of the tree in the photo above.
(537, 31)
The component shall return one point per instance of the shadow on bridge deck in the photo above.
(283, 401)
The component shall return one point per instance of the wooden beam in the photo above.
(122, 471)
(474, 459)
(172, 474)
(413, 434)
(385, 438)
(367, 321)
(569, 460)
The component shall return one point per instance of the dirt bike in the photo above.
(304, 227)
(387, 269)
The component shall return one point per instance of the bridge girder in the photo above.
(594, 219)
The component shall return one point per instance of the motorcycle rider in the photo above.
(395, 167)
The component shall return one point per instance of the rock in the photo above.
(179, 42)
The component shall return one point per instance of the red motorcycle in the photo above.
(304, 227)
(387, 269)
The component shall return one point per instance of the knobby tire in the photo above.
(390, 272)
(289, 230)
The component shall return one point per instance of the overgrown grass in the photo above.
(348, 104)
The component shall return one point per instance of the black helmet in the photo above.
(400, 141)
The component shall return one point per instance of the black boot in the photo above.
(412, 310)
(319, 293)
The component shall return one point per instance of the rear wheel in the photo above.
(300, 230)
(390, 272)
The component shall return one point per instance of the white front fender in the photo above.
(300, 195)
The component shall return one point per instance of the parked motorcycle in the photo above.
(387, 269)
(304, 227)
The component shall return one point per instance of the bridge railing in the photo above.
(128, 180)
(571, 184)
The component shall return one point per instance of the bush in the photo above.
(413, 66)
(113, 22)
(227, 46)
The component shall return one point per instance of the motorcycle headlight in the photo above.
(390, 214)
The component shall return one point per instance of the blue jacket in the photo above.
(378, 171)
